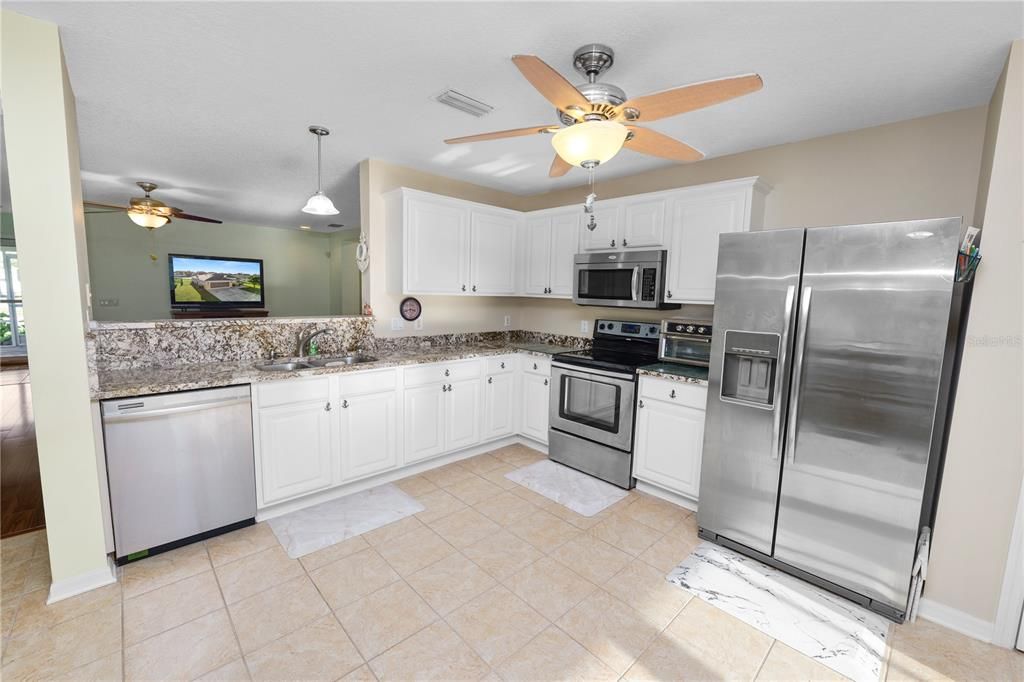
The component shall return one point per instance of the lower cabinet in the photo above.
(669, 435)
(536, 389)
(369, 433)
(499, 406)
(295, 449)
(424, 421)
(462, 414)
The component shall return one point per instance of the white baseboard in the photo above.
(667, 495)
(75, 585)
(956, 620)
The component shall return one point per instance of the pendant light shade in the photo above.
(589, 143)
(147, 220)
(319, 203)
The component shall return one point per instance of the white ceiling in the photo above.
(212, 100)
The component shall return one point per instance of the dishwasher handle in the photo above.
(177, 409)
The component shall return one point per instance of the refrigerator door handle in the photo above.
(787, 320)
(798, 366)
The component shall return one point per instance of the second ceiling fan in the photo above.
(598, 118)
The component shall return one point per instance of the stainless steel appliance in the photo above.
(686, 342)
(831, 368)
(626, 279)
(180, 467)
(592, 398)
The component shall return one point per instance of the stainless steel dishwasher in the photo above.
(180, 467)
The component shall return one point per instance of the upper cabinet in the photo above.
(442, 245)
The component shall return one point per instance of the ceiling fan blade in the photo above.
(178, 213)
(647, 141)
(559, 167)
(109, 207)
(691, 97)
(517, 132)
(555, 88)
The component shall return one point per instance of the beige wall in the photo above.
(297, 264)
(42, 153)
(985, 462)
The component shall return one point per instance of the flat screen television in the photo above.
(215, 282)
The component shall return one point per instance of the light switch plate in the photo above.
(585, 326)
(397, 324)
(418, 324)
(508, 320)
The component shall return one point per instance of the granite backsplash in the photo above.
(169, 343)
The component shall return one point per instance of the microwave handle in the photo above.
(634, 286)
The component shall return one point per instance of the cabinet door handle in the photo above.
(449, 388)
(624, 242)
(613, 242)
(503, 365)
(535, 365)
(463, 287)
(444, 388)
(344, 403)
(669, 293)
(474, 287)
(545, 382)
(327, 407)
(447, 373)
(640, 404)
(490, 380)
(672, 394)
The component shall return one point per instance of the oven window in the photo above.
(612, 285)
(687, 349)
(590, 402)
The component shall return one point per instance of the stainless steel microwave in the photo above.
(622, 279)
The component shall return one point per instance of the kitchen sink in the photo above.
(284, 366)
(341, 360)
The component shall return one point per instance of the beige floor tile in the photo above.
(505, 508)
(577, 520)
(163, 569)
(518, 455)
(255, 573)
(450, 582)
(25, 576)
(413, 551)
(594, 559)
(273, 613)
(628, 535)
(464, 527)
(439, 503)
(645, 589)
(502, 554)
(536, 499)
(785, 664)
(106, 669)
(434, 653)
(926, 651)
(415, 485)
(235, 671)
(703, 642)
(318, 651)
(186, 652)
(553, 655)
(379, 536)
(544, 531)
(170, 606)
(497, 476)
(360, 674)
(45, 652)
(655, 513)
(497, 624)
(609, 629)
(474, 489)
(550, 587)
(447, 475)
(35, 613)
(226, 548)
(353, 577)
(481, 464)
(338, 550)
(670, 550)
(8, 609)
(379, 621)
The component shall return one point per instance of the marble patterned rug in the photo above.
(579, 492)
(831, 630)
(307, 530)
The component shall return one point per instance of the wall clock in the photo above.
(410, 308)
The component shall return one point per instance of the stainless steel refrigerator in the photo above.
(831, 367)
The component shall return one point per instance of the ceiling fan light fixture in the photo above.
(589, 143)
(319, 203)
(148, 220)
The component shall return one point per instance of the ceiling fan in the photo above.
(597, 118)
(149, 212)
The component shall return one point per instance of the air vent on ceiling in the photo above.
(457, 100)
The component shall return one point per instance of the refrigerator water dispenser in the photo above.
(749, 367)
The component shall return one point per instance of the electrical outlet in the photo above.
(418, 324)
(508, 320)
(585, 326)
(397, 324)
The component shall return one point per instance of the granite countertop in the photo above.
(124, 383)
(676, 372)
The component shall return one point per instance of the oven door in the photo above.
(593, 404)
(610, 284)
(685, 349)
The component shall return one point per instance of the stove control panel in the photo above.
(687, 327)
(627, 329)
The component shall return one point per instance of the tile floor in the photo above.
(491, 581)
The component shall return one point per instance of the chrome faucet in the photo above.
(304, 338)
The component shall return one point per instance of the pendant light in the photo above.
(589, 143)
(319, 203)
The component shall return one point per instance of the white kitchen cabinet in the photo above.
(369, 433)
(550, 240)
(499, 405)
(564, 243)
(462, 414)
(295, 449)
(437, 245)
(536, 255)
(424, 412)
(493, 246)
(643, 225)
(607, 235)
(535, 398)
(669, 435)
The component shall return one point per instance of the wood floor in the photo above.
(21, 494)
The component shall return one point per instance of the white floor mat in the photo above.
(307, 530)
(835, 632)
(583, 494)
